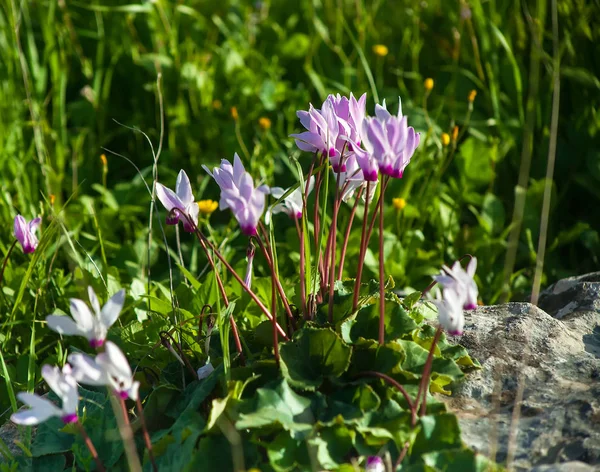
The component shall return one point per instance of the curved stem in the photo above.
(391, 381)
(277, 283)
(424, 385)
(90, 446)
(361, 254)
(147, 440)
(347, 235)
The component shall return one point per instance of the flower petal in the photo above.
(82, 315)
(64, 325)
(111, 310)
(168, 198)
(183, 188)
(40, 410)
(86, 370)
(94, 300)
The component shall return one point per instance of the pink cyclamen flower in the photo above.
(323, 132)
(239, 194)
(110, 368)
(353, 179)
(374, 464)
(292, 204)
(40, 409)
(180, 201)
(461, 282)
(25, 233)
(93, 326)
(388, 141)
(351, 114)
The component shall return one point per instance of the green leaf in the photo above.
(288, 454)
(270, 406)
(332, 445)
(312, 355)
(370, 355)
(474, 162)
(437, 432)
(49, 439)
(492, 216)
(397, 322)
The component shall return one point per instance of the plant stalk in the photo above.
(90, 446)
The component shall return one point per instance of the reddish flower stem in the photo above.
(90, 446)
(333, 240)
(248, 290)
(277, 283)
(361, 254)
(302, 267)
(384, 181)
(147, 440)
(347, 235)
(391, 381)
(424, 385)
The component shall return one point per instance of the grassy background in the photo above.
(77, 76)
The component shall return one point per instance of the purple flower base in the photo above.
(67, 419)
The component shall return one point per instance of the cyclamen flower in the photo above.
(94, 326)
(25, 233)
(461, 282)
(292, 204)
(180, 201)
(374, 464)
(353, 179)
(205, 371)
(109, 368)
(64, 385)
(389, 141)
(339, 120)
(238, 193)
(450, 312)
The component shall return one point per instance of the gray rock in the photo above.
(554, 363)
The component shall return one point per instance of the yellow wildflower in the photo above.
(217, 105)
(399, 203)
(445, 139)
(264, 122)
(207, 206)
(472, 95)
(380, 50)
(234, 113)
(455, 133)
(103, 160)
(53, 197)
(428, 84)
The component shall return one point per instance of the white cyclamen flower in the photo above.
(110, 368)
(93, 326)
(64, 385)
(450, 312)
(292, 204)
(205, 371)
(461, 282)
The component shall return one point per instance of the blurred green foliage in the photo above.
(77, 76)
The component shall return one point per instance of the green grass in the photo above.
(72, 72)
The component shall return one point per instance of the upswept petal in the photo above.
(94, 300)
(111, 310)
(82, 315)
(39, 410)
(183, 188)
(168, 198)
(64, 325)
(86, 370)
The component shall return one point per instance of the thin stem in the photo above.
(277, 283)
(347, 235)
(133, 460)
(424, 385)
(248, 290)
(391, 381)
(402, 455)
(90, 446)
(361, 254)
(147, 440)
(381, 269)
(10, 250)
(302, 267)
